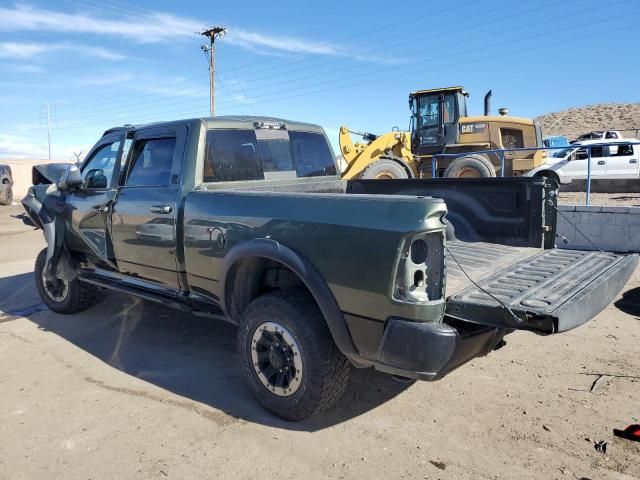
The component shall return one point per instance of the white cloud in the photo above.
(152, 28)
(247, 39)
(23, 50)
(163, 27)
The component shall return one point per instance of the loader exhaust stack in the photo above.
(487, 104)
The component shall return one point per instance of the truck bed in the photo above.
(502, 233)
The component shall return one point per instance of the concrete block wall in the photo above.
(614, 229)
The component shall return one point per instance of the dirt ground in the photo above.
(128, 389)
(602, 199)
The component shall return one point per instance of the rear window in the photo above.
(264, 154)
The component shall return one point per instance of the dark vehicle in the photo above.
(6, 185)
(245, 219)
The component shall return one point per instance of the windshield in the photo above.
(561, 153)
(428, 110)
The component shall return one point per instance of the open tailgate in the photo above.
(549, 291)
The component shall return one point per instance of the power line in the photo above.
(455, 64)
(350, 67)
(267, 95)
(412, 54)
(137, 96)
(152, 98)
(270, 97)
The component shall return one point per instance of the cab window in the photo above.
(621, 150)
(151, 162)
(102, 159)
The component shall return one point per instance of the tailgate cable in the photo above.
(517, 319)
(550, 203)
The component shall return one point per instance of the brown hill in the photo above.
(607, 116)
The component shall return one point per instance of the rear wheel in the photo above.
(470, 166)
(62, 296)
(385, 169)
(6, 194)
(288, 357)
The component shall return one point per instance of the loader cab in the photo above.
(435, 114)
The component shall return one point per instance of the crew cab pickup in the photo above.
(610, 160)
(245, 219)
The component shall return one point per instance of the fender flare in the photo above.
(270, 249)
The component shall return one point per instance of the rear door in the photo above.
(622, 161)
(144, 216)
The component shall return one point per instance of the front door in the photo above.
(90, 216)
(144, 215)
(577, 167)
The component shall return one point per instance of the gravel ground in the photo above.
(608, 199)
(130, 390)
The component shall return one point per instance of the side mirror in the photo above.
(95, 179)
(71, 178)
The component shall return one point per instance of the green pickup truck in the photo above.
(244, 219)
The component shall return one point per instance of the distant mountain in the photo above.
(607, 116)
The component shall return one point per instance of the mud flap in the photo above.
(547, 292)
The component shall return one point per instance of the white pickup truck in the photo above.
(610, 159)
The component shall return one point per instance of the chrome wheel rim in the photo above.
(276, 359)
(56, 288)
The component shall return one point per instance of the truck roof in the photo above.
(596, 141)
(430, 90)
(228, 121)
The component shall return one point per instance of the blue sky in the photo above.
(101, 63)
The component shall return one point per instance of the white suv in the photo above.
(617, 160)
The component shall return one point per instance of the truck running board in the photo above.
(549, 291)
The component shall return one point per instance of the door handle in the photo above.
(100, 208)
(164, 209)
(601, 162)
(633, 160)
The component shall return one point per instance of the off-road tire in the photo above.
(325, 370)
(79, 296)
(549, 174)
(6, 194)
(384, 169)
(464, 167)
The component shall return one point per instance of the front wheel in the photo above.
(6, 195)
(385, 169)
(470, 166)
(288, 357)
(62, 296)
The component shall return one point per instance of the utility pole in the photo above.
(213, 34)
(48, 129)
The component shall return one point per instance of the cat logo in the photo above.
(473, 127)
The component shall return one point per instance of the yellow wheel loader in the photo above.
(440, 125)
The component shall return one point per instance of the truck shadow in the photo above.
(190, 356)
(630, 302)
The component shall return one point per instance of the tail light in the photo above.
(419, 277)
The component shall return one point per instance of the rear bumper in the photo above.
(428, 352)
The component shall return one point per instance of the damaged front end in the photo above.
(45, 204)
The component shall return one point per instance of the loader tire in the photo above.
(6, 194)
(470, 166)
(385, 169)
